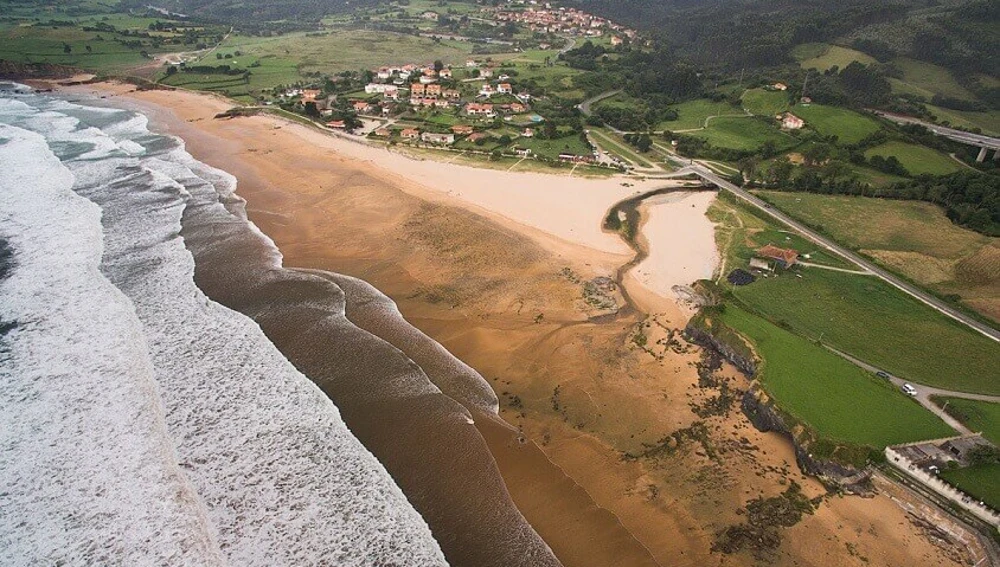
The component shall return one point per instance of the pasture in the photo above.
(764, 102)
(823, 56)
(840, 401)
(744, 133)
(983, 482)
(693, 113)
(848, 126)
(917, 160)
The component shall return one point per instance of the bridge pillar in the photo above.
(982, 155)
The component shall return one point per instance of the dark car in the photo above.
(882, 374)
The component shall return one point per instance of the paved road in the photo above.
(957, 135)
(570, 44)
(829, 245)
(585, 106)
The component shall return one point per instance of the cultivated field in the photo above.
(917, 160)
(848, 126)
(912, 238)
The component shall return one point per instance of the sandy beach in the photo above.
(495, 266)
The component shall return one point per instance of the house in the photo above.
(427, 79)
(791, 122)
(487, 91)
(445, 74)
(310, 95)
(517, 108)
(384, 73)
(782, 257)
(524, 97)
(505, 88)
(528, 133)
(779, 87)
(372, 88)
(806, 100)
(433, 138)
(504, 77)
(476, 136)
(339, 124)
(486, 73)
(417, 89)
(476, 109)
(433, 90)
(441, 103)
(410, 134)
(462, 129)
(362, 107)
(471, 64)
(428, 15)
(616, 41)
(451, 93)
(383, 132)
(391, 93)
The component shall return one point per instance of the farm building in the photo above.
(782, 257)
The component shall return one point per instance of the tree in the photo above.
(644, 143)
(67, 49)
(171, 70)
(438, 65)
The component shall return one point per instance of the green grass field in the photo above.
(692, 114)
(552, 148)
(765, 102)
(848, 126)
(875, 322)
(823, 56)
(743, 133)
(983, 482)
(926, 78)
(912, 238)
(978, 416)
(917, 160)
(857, 314)
(839, 400)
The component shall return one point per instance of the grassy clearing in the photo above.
(977, 416)
(848, 126)
(917, 160)
(839, 400)
(929, 78)
(692, 114)
(912, 238)
(983, 482)
(743, 133)
(765, 102)
(823, 56)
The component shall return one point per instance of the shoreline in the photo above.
(406, 247)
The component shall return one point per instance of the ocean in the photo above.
(170, 394)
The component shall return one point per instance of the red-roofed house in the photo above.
(783, 257)
(410, 134)
(505, 88)
(462, 129)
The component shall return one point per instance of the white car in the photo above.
(909, 389)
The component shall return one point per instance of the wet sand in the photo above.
(506, 297)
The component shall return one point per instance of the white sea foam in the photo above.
(88, 475)
(281, 479)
